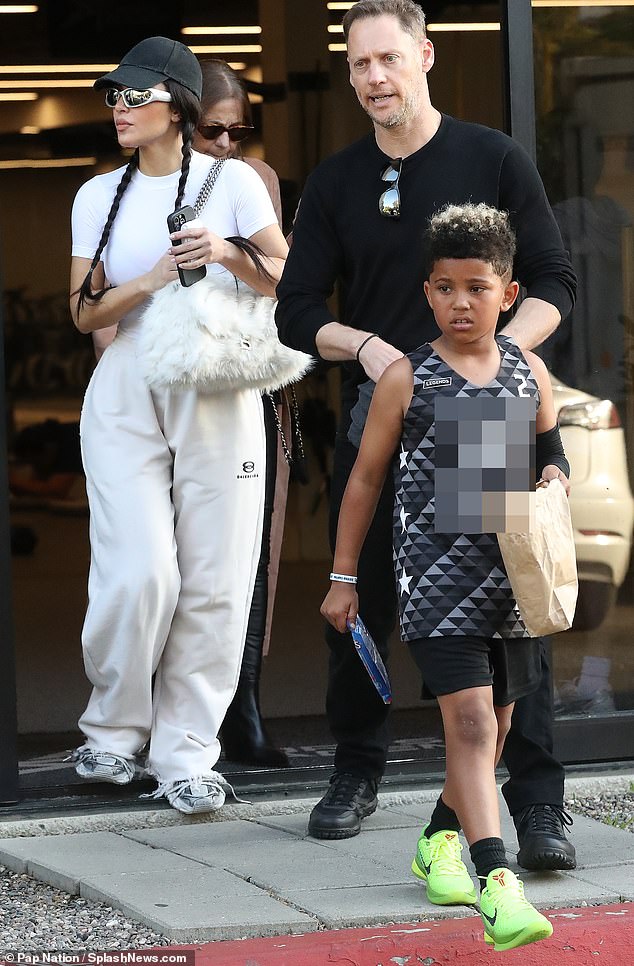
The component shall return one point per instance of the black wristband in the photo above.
(549, 449)
(373, 335)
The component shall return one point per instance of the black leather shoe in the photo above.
(541, 833)
(349, 799)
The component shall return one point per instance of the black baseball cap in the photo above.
(152, 61)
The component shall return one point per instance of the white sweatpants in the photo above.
(175, 483)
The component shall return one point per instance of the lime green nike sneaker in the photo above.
(509, 919)
(437, 862)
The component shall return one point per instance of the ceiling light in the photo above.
(47, 163)
(336, 47)
(25, 96)
(18, 8)
(228, 49)
(56, 68)
(340, 6)
(30, 129)
(335, 28)
(459, 27)
(34, 82)
(198, 31)
(583, 3)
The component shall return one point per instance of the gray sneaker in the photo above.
(102, 766)
(203, 793)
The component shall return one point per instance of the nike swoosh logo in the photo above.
(426, 867)
(490, 920)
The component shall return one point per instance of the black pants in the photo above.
(256, 626)
(358, 717)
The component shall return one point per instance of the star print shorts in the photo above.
(450, 664)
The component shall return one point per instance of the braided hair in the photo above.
(86, 293)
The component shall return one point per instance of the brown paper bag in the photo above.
(541, 565)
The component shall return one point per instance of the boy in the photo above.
(456, 605)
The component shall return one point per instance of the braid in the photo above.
(86, 293)
(255, 253)
(188, 134)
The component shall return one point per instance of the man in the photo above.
(360, 222)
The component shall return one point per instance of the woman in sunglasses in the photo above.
(175, 479)
(225, 122)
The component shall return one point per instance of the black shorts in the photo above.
(450, 664)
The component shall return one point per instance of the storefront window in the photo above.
(584, 90)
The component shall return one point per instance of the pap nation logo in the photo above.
(185, 957)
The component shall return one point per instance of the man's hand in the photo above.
(340, 605)
(376, 355)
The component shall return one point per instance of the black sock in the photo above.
(442, 818)
(487, 855)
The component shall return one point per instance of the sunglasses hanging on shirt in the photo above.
(133, 98)
(236, 132)
(390, 200)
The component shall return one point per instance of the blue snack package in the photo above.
(372, 661)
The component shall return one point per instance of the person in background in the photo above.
(225, 122)
(359, 224)
(175, 526)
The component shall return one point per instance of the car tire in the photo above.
(594, 603)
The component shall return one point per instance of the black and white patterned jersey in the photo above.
(452, 584)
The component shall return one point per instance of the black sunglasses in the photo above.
(236, 132)
(390, 200)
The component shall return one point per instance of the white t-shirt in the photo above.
(239, 204)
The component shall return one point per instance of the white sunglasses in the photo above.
(133, 98)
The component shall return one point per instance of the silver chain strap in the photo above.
(201, 201)
(295, 425)
(208, 184)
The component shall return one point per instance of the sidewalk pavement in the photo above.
(251, 871)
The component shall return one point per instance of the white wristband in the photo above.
(343, 578)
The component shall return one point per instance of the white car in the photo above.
(601, 502)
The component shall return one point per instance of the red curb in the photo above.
(585, 936)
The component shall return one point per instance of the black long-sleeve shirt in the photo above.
(339, 235)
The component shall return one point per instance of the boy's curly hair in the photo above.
(471, 231)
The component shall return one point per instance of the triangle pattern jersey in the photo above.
(449, 584)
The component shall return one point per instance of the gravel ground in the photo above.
(617, 810)
(37, 917)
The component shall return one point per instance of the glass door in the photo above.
(584, 102)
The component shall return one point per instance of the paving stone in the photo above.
(63, 860)
(617, 880)
(392, 847)
(226, 834)
(383, 818)
(598, 844)
(308, 865)
(206, 904)
(14, 854)
(343, 908)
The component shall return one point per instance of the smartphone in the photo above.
(175, 222)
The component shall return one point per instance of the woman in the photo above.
(224, 124)
(175, 521)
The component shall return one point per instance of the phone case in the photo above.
(372, 661)
(175, 222)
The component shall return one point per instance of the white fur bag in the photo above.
(212, 340)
